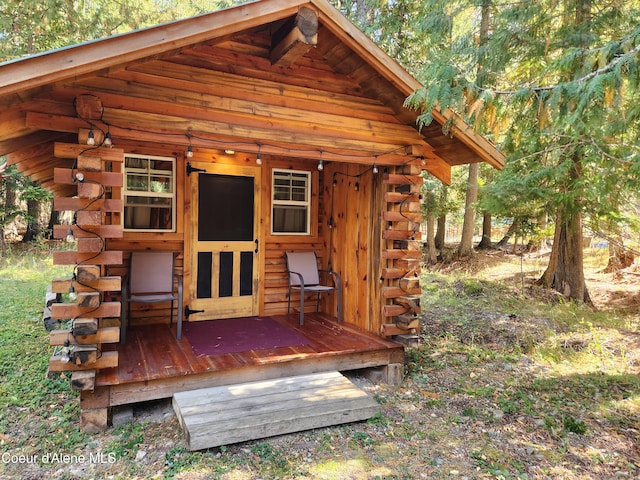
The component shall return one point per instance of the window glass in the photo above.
(149, 193)
(290, 202)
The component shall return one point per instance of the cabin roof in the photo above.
(24, 82)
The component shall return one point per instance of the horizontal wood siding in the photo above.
(274, 280)
(230, 95)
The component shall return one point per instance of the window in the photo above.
(291, 204)
(149, 193)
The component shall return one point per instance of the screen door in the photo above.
(224, 245)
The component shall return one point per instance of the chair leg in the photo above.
(179, 327)
(171, 316)
(289, 301)
(302, 305)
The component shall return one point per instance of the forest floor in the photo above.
(509, 381)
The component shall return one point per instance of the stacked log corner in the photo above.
(402, 254)
(92, 321)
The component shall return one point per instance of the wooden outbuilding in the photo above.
(229, 139)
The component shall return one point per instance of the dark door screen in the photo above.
(225, 208)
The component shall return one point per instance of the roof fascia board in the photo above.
(18, 76)
(482, 147)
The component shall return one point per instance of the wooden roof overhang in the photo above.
(211, 81)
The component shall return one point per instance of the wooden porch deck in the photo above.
(153, 364)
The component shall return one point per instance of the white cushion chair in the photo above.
(150, 280)
(304, 276)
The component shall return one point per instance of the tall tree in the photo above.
(482, 74)
(563, 101)
(33, 26)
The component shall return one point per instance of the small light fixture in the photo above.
(72, 292)
(79, 177)
(107, 140)
(70, 238)
(259, 156)
(66, 352)
(320, 165)
(375, 169)
(190, 147)
(357, 186)
(91, 139)
(229, 151)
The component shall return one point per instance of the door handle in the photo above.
(256, 250)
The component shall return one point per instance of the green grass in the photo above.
(466, 395)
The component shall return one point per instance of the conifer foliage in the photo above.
(555, 85)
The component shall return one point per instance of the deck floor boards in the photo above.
(152, 352)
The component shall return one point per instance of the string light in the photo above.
(259, 156)
(66, 352)
(108, 140)
(70, 238)
(80, 177)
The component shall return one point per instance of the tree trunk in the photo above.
(485, 242)
(619, 257)
(466, 242)
(3, 244)
(54, 219)
(568, 278)
(535, 245)
(441, 228)
(504, 241)
(33, 227)
(568, 275)
(546, 280)
(431, 253)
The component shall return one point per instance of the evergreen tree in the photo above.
(561, 98)
(33, 26)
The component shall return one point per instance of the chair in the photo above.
(150, 280)
(305, 277)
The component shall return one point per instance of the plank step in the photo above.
(228, 414)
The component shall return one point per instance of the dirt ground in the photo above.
(476, 402)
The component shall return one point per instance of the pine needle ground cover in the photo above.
(509, 382)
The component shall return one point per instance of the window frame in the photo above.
(150, 193)
(294, 203)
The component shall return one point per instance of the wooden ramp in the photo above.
(236, 413)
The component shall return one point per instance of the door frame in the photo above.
(191, 215)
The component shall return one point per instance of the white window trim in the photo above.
(138, 193)
(306, 203)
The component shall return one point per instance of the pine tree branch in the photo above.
(600, 71)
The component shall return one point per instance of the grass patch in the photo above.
(508, 382)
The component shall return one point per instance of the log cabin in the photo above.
(229, 139)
